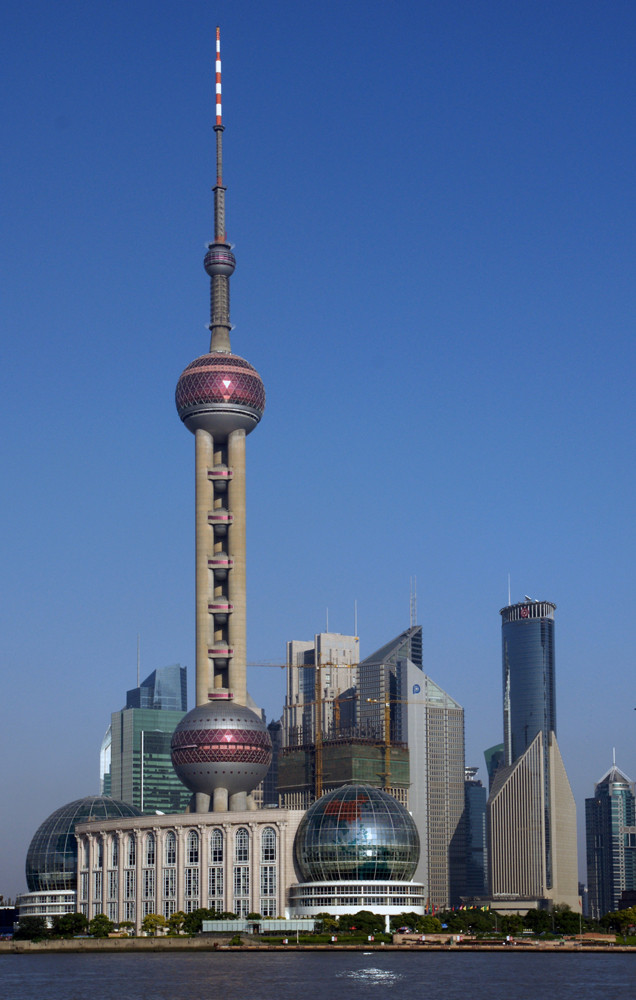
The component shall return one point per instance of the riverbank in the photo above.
(174, 945)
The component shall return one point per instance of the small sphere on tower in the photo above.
(221, 745)
(220, 393)
(219, 260)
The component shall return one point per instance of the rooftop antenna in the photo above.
(614, 756)
(138, 659)
(413, 601)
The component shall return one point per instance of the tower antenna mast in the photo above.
(219, 261)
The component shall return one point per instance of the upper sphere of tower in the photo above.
(219, 260)
(220, 393)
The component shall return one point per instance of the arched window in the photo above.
(114, 851)
(170, 848)
(85, 854)
(100, 853)
(149, 858)
(242, 845)
(130, 852)
(268, 844)
(216, 847)
(193, 848)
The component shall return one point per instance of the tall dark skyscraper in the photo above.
(527, 636)
(475, 822)
(531, 811)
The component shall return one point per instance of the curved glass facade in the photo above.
(357, 833)
(51, 862)
(528, 675)
(527, 635)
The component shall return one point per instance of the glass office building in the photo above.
(527, 634)
(610, 829)
(165, 689)
(140, 766)
(476, 856)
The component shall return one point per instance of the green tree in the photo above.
(193, 922)
(565, 921)
(327, 924)
(429, 924)
(100, 926)
(404, 920)
(512, 924)
(418, 923)
(70, 924)
(128, 926)
(152, 923)
(364, 921)
(175, 922)
(32, 929)
(538, 921)
(619, 920)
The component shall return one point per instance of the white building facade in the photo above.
(238, 862)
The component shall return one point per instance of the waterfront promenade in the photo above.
(177, 945)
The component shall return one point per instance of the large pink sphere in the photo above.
(220, 393)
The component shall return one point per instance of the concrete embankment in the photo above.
(172, 945)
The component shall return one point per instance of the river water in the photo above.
(323, 976)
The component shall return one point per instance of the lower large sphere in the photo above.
(221, 745)
(220, 393)
(355, 833)
(51, 862)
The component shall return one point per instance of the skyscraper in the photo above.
(140, 769)
(421, 715)
(531, 811)
(527, 636)
(610, 829)
(321, 680)
(475, 820)
(222, 749)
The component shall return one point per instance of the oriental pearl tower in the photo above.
(221, 749)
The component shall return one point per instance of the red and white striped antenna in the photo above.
(219, 114)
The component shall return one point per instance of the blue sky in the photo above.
(432, 205)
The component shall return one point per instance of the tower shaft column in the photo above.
(204, 542)
(236, 546)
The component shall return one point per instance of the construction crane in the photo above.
(318, 765)
(387, 702)
(317, 704)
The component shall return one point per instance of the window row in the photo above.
(217, 849)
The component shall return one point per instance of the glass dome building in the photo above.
(356, 848)
(51, 862)
(357, 832)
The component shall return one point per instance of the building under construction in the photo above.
(302, 770)
(324, 746)
(401, 731)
